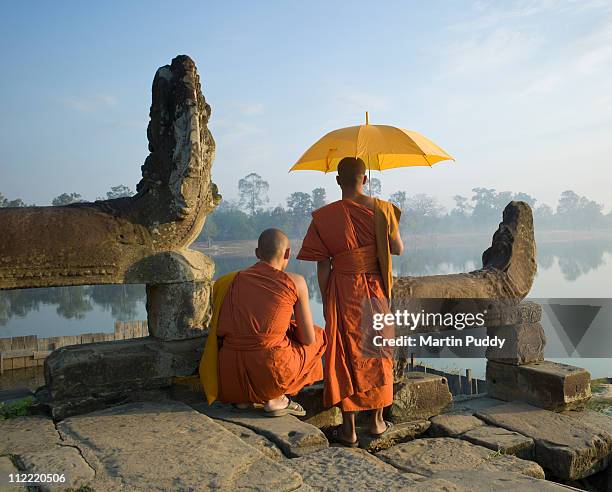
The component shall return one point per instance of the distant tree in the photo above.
(119, 191)
(210, 231)
(462, 206)
(299, 204)
(374, 187)
(5, 203)
(424, 205)
(399, 198)
(253, 192)
(319, 198)
(578, 211)
(543, 212)
(67, 199)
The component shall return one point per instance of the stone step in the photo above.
(418, 396)
(294, 437)
(567, 447)
(452, 425)
(402, 432)
(429, 456)
(524, 343)
(545, 384)
(502, 440)
(341, 469)
(170, 446)
(253, 439)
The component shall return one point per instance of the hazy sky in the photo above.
(519, 92)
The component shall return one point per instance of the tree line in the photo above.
(247, 216)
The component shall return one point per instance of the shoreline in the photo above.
(246, 247)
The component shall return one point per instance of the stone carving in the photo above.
(508, 267)
(140, 239)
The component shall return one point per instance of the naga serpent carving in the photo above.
(140, 239)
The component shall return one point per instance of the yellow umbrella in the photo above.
(380, 147)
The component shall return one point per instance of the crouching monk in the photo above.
(269, 347)
(352, 240)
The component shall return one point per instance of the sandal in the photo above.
(237, 408)
(333, 436)
(381, 434)
(292, 408)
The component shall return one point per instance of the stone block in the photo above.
(524, 343)
(500, 314)
(178, 311)
(418, 396)
(565, 446)
(502, 440)
(6, 469)
(292, 436)
(498, 481)
(65, 460)
(265, 446)
(83, 378)
(25, 434)
(402, 432)
(170, 446)
(311, 399)
(548, 385)
(451, 425)
(429, 456)
(341, 469)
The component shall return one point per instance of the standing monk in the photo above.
(352, 240)
(265, 355)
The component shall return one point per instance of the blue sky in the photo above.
(519, 92)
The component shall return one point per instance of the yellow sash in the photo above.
(386, 225)
(208, 363)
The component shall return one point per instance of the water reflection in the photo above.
(124, 302)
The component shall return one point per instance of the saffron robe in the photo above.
(354, 238)
(259, 358)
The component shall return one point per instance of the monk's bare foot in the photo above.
(339, 435)
(243, 406)
(378, 425)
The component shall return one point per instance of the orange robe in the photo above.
(356, 376)
(258, 359)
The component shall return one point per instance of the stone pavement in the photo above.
(169, 445)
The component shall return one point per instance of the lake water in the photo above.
(566, 269)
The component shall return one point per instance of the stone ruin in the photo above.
(146, 238)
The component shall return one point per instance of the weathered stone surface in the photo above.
(496, 481)
(265, 446)
(591, 418)
(472, 404)
(292, 436)
(25, 434)
(433, 455)
(418, 396)
(526, 312)
(548, 385)
(524, 343)
(311, 399)
(451, 425)
(120, 366)
(6, 469)
(178, 311)
(503, 440)
(567, 447)
(58, 459)
(116, 241)
(401, 432)
(341, 469)
(170, 446)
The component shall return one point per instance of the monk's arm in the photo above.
(396, 245)
(305, 332)
(323, 272)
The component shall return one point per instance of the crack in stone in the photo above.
(66, 445)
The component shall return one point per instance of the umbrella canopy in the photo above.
(380, 147)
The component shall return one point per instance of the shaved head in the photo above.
(351, 171)
(272, 244)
